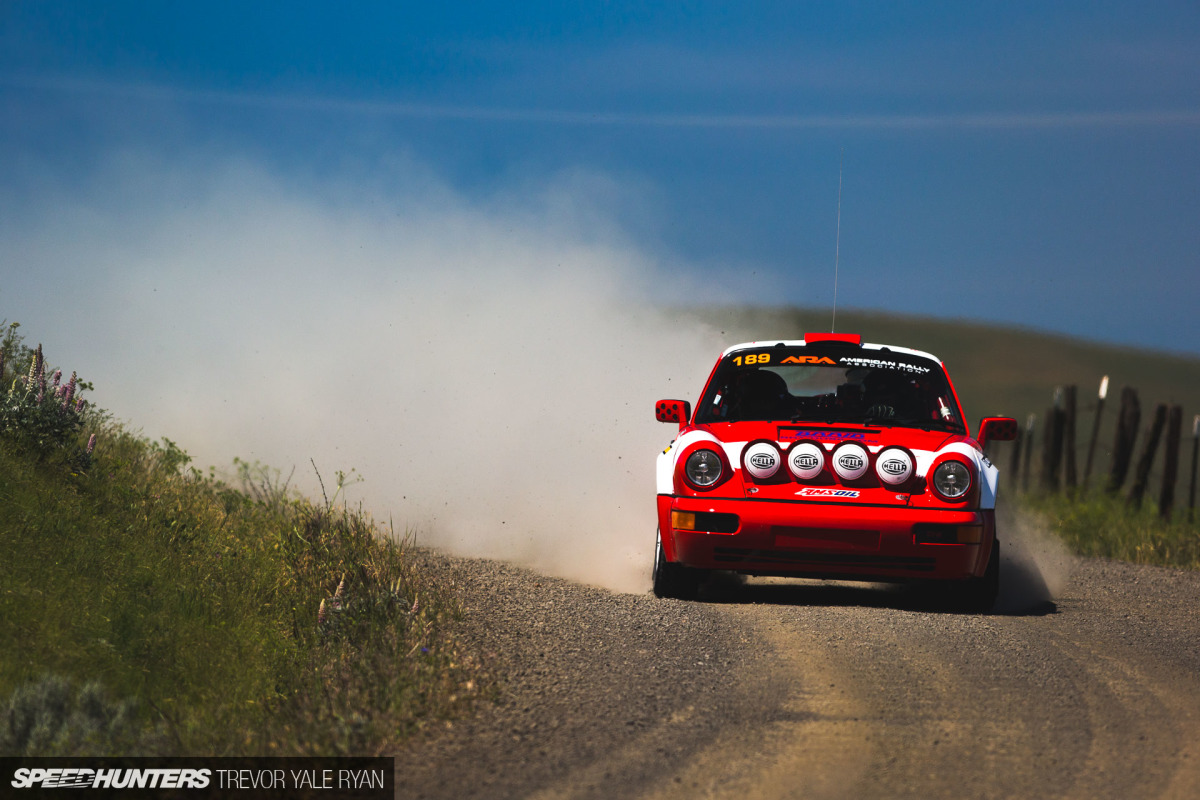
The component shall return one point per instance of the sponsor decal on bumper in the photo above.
(814, 491)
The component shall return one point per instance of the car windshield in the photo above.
(796, 384)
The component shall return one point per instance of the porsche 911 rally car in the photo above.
(829, 458)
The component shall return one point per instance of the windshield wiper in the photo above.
(804, 417)
(923, 424)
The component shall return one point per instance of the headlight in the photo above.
(952, 479)
(703, 468)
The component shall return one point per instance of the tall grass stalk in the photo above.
(1098, 524)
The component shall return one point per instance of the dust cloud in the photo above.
(1034, 564)
(487, 367)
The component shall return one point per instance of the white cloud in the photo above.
(1101, 116)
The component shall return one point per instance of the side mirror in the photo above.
(678, 411)
(996, 429)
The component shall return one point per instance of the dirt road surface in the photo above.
(816, 690)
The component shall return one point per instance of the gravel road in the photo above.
(773, 689)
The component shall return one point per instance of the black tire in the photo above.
(978, 595)
(673, 580)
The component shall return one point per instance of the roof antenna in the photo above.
(838, 244)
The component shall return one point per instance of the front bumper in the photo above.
(829, 540)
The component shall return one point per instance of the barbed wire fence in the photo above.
(1055, 433)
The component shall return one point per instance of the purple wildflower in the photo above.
(69, 394)
(341, 585)
(80, 405)
(91, 445)
(56, 377)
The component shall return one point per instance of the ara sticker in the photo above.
(809, 360)
(813, 491)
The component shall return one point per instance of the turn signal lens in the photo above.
(952, 479)
(683, 520)
(703, 468)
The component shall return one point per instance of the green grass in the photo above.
(150, 609)
(1105, 525)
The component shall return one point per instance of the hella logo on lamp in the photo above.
(850, 463)
(806, 460)
(895, 466)
(762, 460)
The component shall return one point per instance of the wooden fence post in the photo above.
(1166, 498)
(1195, 458)
(1141, 476)
(1127, 429)
(1087, 465)
(1070, 479)
(1029, 422)
(1016, 460)
(1052, 444)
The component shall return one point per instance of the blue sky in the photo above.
(1029, 163)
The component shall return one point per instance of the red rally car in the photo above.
(829, 458)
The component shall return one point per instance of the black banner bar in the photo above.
(197, 778)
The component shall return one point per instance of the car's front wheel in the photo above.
(978, 595)
(673, 580)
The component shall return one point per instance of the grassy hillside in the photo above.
(150, 609)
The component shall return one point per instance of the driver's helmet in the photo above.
(759, 394)
(888, 389)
